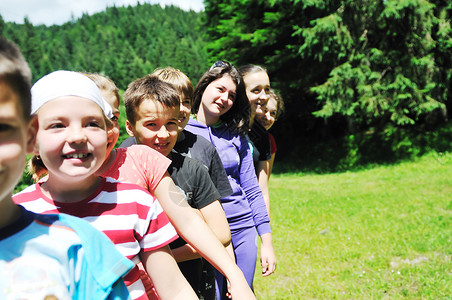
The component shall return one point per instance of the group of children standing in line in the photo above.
(181, 202)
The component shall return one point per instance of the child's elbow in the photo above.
(225, 237)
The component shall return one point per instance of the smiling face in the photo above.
(184, 113)
(15, 140)
(156, 126)
(257, 87)
(217, 99)
(72, 142)
(268, 118)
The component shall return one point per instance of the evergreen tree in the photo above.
(121, 42)
(374, 63)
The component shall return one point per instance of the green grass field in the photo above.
(381, 233)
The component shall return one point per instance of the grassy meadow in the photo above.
(379, 233)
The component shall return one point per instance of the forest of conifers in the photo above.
(122, 42)
(354, 74)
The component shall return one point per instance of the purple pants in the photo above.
(244, 241)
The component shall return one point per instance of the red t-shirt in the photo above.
(272, 143)
(139, 164)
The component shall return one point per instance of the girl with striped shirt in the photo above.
(71, 141)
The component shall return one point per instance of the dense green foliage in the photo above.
(358, 65)
(365, 150)
(122, 42)
(381, 233)
(355, 75)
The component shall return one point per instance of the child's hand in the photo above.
(268, 258)
(242, 292)
(228, 294)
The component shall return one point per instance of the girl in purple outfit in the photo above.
(222, 113)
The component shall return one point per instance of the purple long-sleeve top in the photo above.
(245, 207)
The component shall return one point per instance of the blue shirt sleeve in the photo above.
(250, 185)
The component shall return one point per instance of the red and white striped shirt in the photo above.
(126, 213)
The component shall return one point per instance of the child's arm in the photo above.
(268, 258)
(253, 193)
(264, 170)
(165, 274)
(230, 250)
(263, 176)
(184, 253)
(270, 169)
(215, 218)
(195, 231)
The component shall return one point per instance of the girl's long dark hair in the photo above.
(236, 118)
(246, 69)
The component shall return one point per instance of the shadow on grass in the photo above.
(364, 150)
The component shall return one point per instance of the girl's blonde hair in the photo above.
(36, 168)
(177, 78)
(105, 84)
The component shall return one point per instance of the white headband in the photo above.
(66, 83)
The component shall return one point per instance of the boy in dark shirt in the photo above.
(152, 108)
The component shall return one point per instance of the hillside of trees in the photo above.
(355, 75)
(122, 42)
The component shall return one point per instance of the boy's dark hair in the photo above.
(15, 71)
(238, 116)
(151, 88)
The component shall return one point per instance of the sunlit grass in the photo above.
(378, 233)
